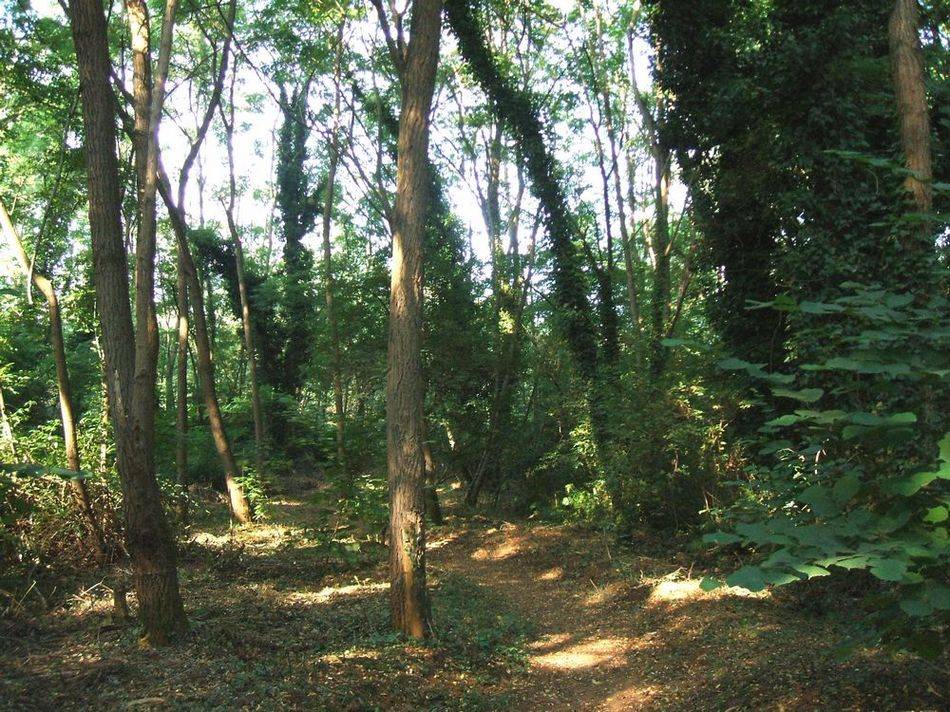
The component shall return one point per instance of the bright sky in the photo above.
(254, 150)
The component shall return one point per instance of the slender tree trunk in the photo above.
(5, 428)
(661, 255)
(170, 372)
(907, 67)
(257, 410)
(328, 267)
(181, 401)
(433, 509)
(405, 422)
(240, 506)
(149, 539)
(67, 417)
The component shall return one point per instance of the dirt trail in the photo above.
(615, 631)
(527, 616)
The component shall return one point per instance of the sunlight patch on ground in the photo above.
(550, 641)
(209, 539)
(498, 553)
(284, 503)
(555, 574)
(330, 592)
(631, 698)
(606, 593)
(673, 590)
(588, 654)
(442, 541)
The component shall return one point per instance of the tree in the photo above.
(405, 419)
(907, 68)
(66, 409)
(129, 356)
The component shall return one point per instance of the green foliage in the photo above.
(856, 481)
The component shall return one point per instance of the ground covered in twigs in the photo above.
(528, 616)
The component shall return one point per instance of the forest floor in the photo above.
(528, 616)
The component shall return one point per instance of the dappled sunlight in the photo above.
(549, 642)
(607, 652)
(506, 550)
(675, 590)
(607, 593)
(631, 698)
(443, 540)
(553, 574)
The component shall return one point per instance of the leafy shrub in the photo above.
(850, 478)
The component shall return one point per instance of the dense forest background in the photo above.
(672, 270)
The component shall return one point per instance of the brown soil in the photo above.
(527, 616)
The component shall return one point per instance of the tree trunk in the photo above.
(79, 488)
(149, 539)
(257, 410)
(5, 428)
(240, 506)
(181, 401)
(328, 268)
(204, 366)
(907, 68)
(661, 255)
(433, 509)
(405, 425)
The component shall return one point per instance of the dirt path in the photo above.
(528, 617)
(615, 631)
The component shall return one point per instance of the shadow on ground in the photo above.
(527, 618)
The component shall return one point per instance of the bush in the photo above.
(850, 478)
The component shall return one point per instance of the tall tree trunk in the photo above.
(405, 422)
(240, 506)
(433, 509)
(181, 401)
(5, 430)
(67, 418)
(256, 409)
(149, 539)
(907, 67)
(169, 372)
(660, 305)
(328, 264)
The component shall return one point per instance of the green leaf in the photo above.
(709, 584)
(806, 395)
(811, 571)
(917, 608)
(889, 569)
(936, 515)
(820, 308)
(750, 578)
(846, 487)
(788, 419)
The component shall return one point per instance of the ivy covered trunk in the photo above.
(405, 420)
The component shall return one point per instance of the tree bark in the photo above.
(149, 539)
(433, 508)
(67, 418)
(405, 424)
(5, 428)
(256, 409)
(181, 366)
(328, 266)
(907, 67)
(240, 506)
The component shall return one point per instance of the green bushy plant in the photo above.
(854, 463)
